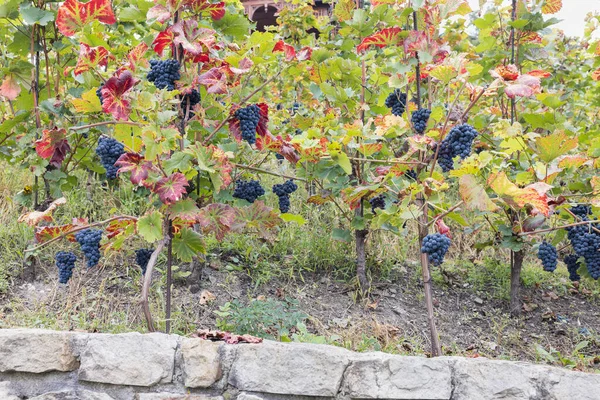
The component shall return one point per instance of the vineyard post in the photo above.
(36, 103)
(360, 235)
(436, 349)
(516, 257)
(169, 277)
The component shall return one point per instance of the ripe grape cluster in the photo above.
(142, 256)
(419, 120)
(192, 98)
(89, 240)
(283, 191)
(65, 262)
(377, 202)
(572, 262)
(435, 246)
(279, 156)
(248, 117)
(248, 190)
(549, 256)
(164, 73)
(458, 142)
(585, 241)
(411, 174)
(99, 92)
(397, 102)
(109, 151)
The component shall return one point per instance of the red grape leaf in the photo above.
(192, 39)
(243, 66)
(215, 162)
(532, 223)
(353, 196)
(114, 93)
(118, 226)
(257, 217)
(277, 144)
(162, 40)
(53, 145)
(539, 73)
(158, 13)
(137, 56)
(505, 72)
(289, 51)
(138, 167)
(519, 90)
(215, 81)
(216, 10)
(171, 188)
(443, 228)
(261, 128)
(515, 196)
(385, 37)
(46, 233)
(10, 88)
(90, 58)
(305, 53)
(530, 37)
(184, 210)
(216, 218)
(73, 15)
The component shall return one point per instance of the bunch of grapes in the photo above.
(572, 262)
(586, 244)
(142, 256)
(283, 191)
(582, 211)
(411, 174)
(419, 120)
(458, 142)
(248, 190)
(89, 240)
(435, 246)
(397, 102)
(192, 98)
(248, 117)
(99, 92)
(164, 73)
(109, 150)
(65, 262)
(549, 256)
(377, 202)
(279, 156)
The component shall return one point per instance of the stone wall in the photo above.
(50, 365)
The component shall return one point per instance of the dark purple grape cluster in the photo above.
(572, 262)
(164, 73)
(99, 92)
(582, 211)
(419, 120)
(586, 244)
(248, 117)
(142, 256)
(89, 240)
(279, 156)
(411, 174)
(109, 150)
(435, 246)
(190, 99)
(458, 142)
(283, 191)
(549, 256)
(397, 102)
(248, 190)
(377, 202)
(65, 262)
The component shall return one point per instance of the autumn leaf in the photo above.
(136, 165)
(88, 103)
(551, 6)
(184, 210)
(73, 15)
(304, 53)
(34, 217)
(158, 13)
(137, 56)
(90, 58)
(383, 38)
(216, 218)
(114, 95)
(517, 197)
(193, 39)
(171, 188)
(10, 88)
(215, 10)
(287, 49)
(53, 145)
(474, 195)
(553, 146)
(162, 40)
(258, 217)
(243, 66)
(214, 80)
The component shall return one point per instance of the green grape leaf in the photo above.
(150, 227)
(187, 244)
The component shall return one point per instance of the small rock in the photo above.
(341, 322)
(478, 301)
(393, 290)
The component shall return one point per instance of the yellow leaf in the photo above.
(89, 103)
(474, 195)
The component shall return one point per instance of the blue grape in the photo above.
(248, 190)
(190, 99)
(396, 101)
(142, 256)
(377, 202)
(419, 120)
(572, 262)
(109, 150)
(89, 240)
(458, 142)
(164, 73)
(411, 174)
(65, 262)
(586, 244)
(248, 117)
(99, 92)
(549, 256)
(582, 211)
(435, 246)
(283, 191)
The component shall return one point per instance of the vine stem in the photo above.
(560, 227)
(148, 282)
(264, 171)
(448, 211)
(80, 228)
(243, 101)
(82, 127)
(577, 218)
(374, 161)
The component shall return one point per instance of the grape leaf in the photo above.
(90, 58)
(137, 56)
(287, 49)
(88, 103)
(187, 244)
(150, 227)
(73, 15)
(515, 196)
(53, 145)
(193, 39)
(369, 149)
(10, 88)
(33, 15)
(217, 218)
(215, 81)
(185, 210)
(158, 13)
(243, 66)
(383, 38)
(114, 95)
(553, 146)
(551, 6)
(162, 40)
(171, 188)
(258, 217)
(34, 217)
(216, 10)
(136, 165)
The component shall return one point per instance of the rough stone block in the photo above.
(36, 351)
(76, 395)
(6, 392)
(175, 396)
(201, 362)
(568, 385)
(383, 376)
(293, 369)
(128, 359)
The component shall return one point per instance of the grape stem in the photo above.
(374, 161)
(561, 227)
(82, 127)
(148, 281)
(264, 171)
(80, 228)
(442, 215)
